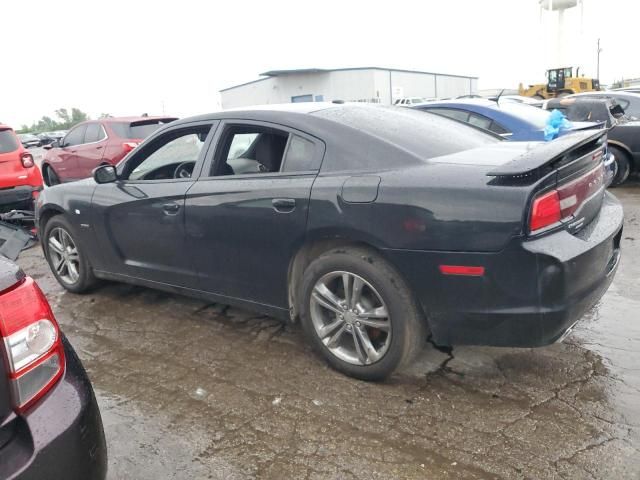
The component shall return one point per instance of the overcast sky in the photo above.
(134, 56)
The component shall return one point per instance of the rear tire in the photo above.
(50, 176)
(66, 258)
(368, 334)
(624, 166)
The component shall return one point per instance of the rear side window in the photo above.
(459, 115)
(480, 121)
(8, 141)
(300, 156)
(94, 133)
(138, 130)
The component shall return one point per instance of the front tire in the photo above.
(359, 314)
(67, 260)
(624, 166)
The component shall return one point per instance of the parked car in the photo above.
(20, 179)
(29, 140)
(635, 89)
(512, 120)
(373, 225)
(623, 134)
(628, 101)
(50, 425)
(408, 101)
(47, 138)
(93, 143)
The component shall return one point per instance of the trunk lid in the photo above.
(572, 166)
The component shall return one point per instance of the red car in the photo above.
(20, 179)
(94, 143)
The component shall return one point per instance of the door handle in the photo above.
(170, 208)
(99, 147)
(284, 205)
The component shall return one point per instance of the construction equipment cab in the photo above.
(561, 82)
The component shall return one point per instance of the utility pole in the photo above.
(598, 67)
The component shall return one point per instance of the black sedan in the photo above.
(375, 226)
(29, 140)
(623, 135)
(50, 426)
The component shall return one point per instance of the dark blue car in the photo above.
(512, 120)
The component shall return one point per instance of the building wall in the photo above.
(348, 85)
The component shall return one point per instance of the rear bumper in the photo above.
(62, 436)
(532, 292)
(19, 198)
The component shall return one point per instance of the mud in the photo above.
(190, 390)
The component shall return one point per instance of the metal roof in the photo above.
(279, 73)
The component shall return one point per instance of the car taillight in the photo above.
(27, 160)
(563, 202)
(128, 146)
(32, 344)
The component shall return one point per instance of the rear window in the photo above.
(532, 115)
(138, 130)
(8, 141)
(424, 134)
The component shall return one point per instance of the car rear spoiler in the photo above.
(548, 153)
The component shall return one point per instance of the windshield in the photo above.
(8, 142)
(532, 115)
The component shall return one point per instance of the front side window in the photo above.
(172, 155)
(75, 136)
(245, 149)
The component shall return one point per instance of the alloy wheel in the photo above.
(65, 258)
(350, 318)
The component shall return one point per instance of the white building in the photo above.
(365, 84)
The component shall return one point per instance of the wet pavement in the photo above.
(198, 391)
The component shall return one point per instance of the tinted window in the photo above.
(421, 133)
(94, 133)
(138, 130)
(161, 159)
(497, 128)
(246, 149)
(8, 141)
(75, 136)
(300, 155)
(479, 121)
(460, 115)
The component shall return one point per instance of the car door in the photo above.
(139, 218)
(65, 163)
(89, 154)
(247, 215)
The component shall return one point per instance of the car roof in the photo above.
(607, 92)
(5, 127)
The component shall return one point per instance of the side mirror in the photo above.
(105, 174)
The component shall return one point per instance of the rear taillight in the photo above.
(32, 344)
(128, 146)
(563, 202)
(27, 160)
(545, 211)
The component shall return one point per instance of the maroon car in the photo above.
(94, 143)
